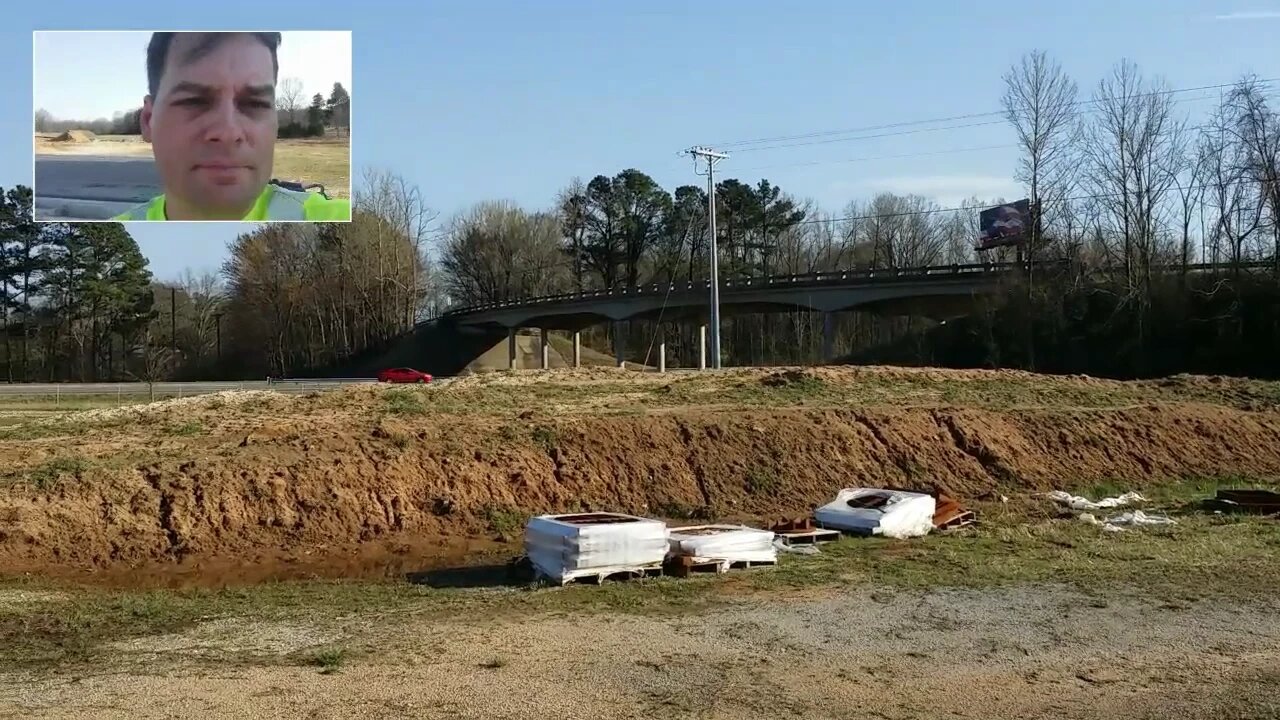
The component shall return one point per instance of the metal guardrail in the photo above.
(57, 391)
(868, 275)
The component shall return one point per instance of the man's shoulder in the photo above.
(142, 211)
(320, 208)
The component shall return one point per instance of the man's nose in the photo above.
(224, 123)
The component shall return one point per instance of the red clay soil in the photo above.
(397, 494)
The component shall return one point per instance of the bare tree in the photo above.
(1040, 101)
(43, 121)
(289, 97)
(405, 215)
(1256, 127)
(1126, 150)
(155, 362)
(1233, 201)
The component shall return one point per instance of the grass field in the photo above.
(323, 160)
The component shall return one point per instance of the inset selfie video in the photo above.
(192, 126)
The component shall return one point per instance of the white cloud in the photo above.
(946, 190)
(1250, 15)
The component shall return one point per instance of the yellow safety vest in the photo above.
(274, 203)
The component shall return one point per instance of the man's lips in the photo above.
(221, 166)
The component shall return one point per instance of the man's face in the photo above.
(212, 126)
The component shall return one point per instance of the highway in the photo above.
(92, 187)
(171, 389)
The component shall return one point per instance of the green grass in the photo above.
(402, 401)
(640, 392)
(186, 429)
(329, 661)
(763, 482)
(545, 437)
(506, 522)
(48, 473)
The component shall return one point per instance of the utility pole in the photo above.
(712, 157)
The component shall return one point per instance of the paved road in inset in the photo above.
(92, 187)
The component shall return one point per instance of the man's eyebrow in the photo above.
(199, 89)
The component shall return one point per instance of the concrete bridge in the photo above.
(939, 292)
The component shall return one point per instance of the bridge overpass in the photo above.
(940, 292)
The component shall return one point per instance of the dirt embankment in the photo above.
(313, 483)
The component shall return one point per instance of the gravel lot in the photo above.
(865, 653)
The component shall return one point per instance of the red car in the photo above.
(403, 375)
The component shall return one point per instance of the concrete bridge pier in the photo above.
(546, 345)
(702, 346)
(511, 348)
(662, 351)
(828, 336)
(577, 348)
(619, 344)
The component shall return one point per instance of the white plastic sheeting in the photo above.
(563, 547)
(892, 513)
(1075, 502)
(783, 546)
(1137, 518)
(735, 543)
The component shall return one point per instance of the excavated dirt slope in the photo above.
(250, 485)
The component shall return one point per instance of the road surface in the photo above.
(171, 389)
(92, 187)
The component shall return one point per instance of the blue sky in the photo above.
(78, 74)
(509, 100)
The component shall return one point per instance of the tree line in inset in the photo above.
(296, 117)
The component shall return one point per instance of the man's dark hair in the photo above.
(158, 52)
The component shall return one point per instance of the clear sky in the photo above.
(489, 99)
(88, 75)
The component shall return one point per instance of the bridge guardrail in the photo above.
(827, 276)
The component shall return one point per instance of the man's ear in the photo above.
(145, 118)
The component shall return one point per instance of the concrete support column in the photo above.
(662, 352)
(828, 336)
(511, 348)
(619, 344)
(546, 343)
(702, 346)
(577, 348)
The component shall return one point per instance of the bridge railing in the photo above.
(827, 276)
(906, 274)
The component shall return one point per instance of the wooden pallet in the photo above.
(685, 565)
(596, 576)
(809, 537)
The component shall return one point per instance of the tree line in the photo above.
(78, 301)
(294, 118)
(1121, 183)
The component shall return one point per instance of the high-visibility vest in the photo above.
(274, 203)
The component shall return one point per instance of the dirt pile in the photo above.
(365, 465)
(75, 136)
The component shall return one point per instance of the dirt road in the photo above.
(858, 653)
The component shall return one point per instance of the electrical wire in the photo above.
(952, 118)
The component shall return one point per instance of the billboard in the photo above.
(1004, 225)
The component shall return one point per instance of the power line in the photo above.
(953, 118)
(878, 157)
(829, 141)
(932, 211)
